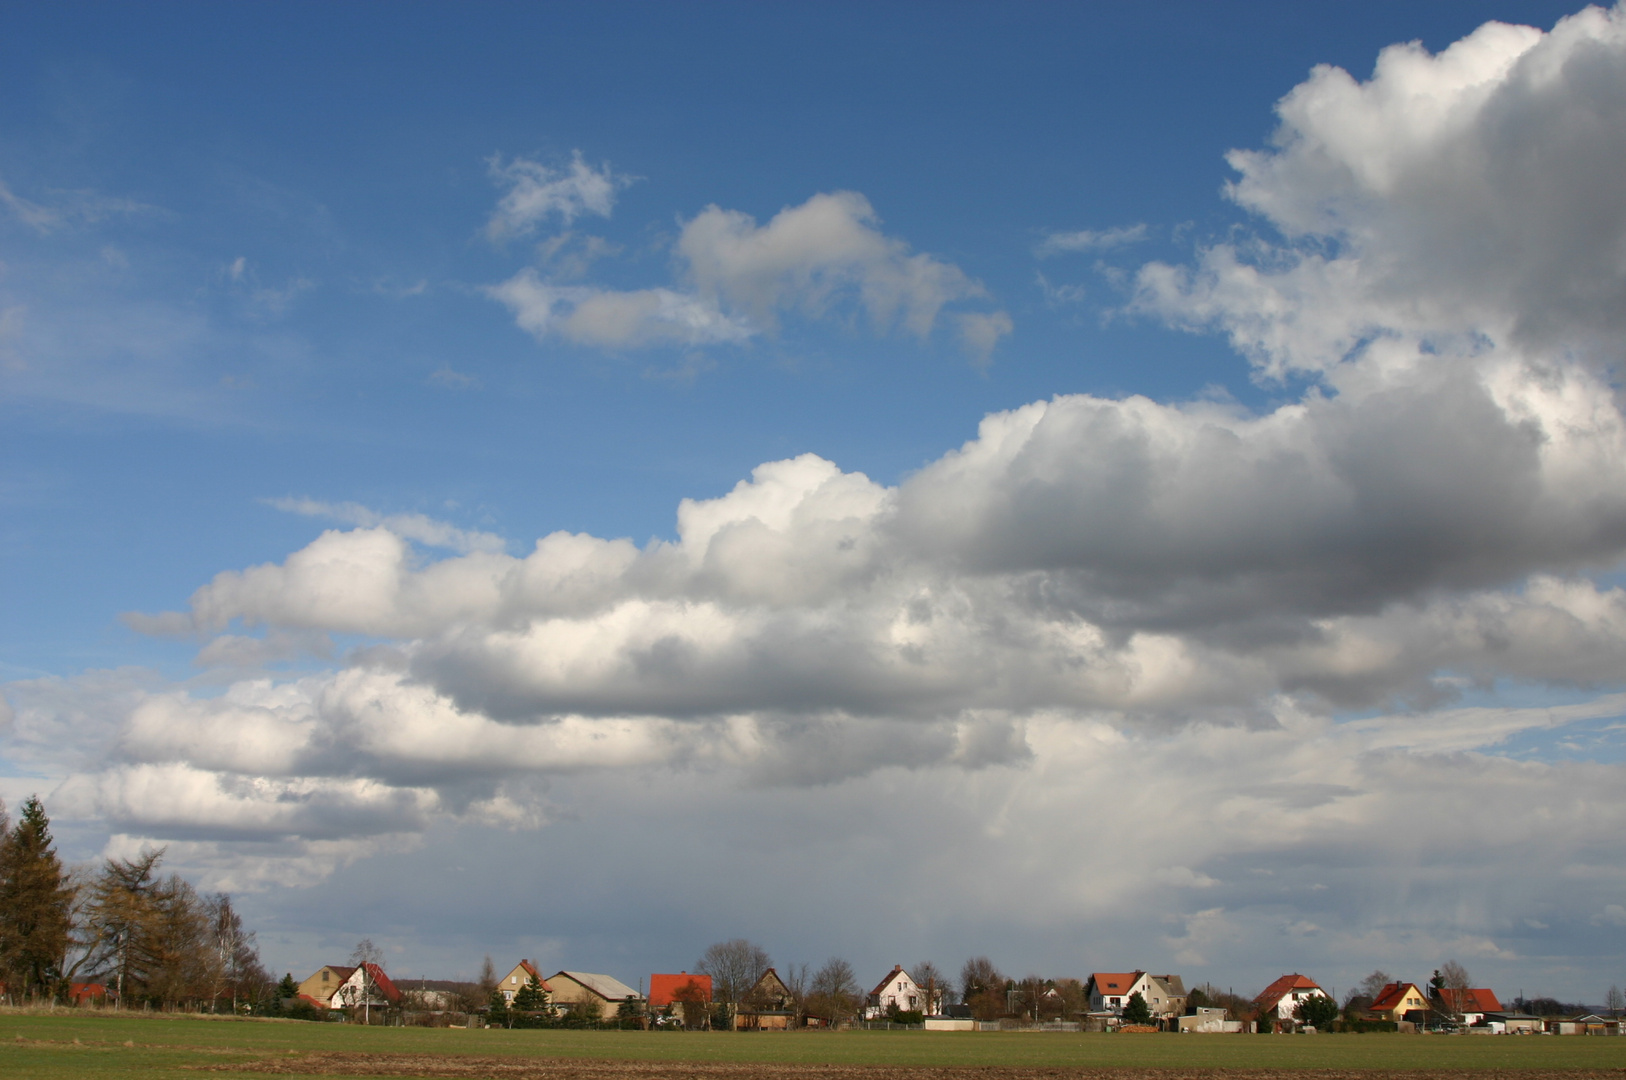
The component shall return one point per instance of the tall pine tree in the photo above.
(36, 905)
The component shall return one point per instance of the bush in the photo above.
(908, 1016)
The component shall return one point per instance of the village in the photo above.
(981, 1000)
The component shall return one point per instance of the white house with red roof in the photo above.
(1109, 992)
(1280, 1000)
(367, 986)
(1471, 1004)
(896, 989)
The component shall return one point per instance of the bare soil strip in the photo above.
(507, 1068)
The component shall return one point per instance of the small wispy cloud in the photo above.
(1059, 295)
(1060, 243)
(68, 208)
(453, 379)
(416, 527)
(537, 192)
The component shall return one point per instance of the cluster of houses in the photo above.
(1164, 1003)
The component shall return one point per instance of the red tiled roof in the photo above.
(1480, 1000)
(1114, 983)
(530, 969)
(82, 991)
(663, 987)
(893, 974)
(318, 1004)
(1283, 986)
(1391, 995)
(382, 981)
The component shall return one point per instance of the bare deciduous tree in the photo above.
(799, 981)
(982, 987)
(488, 978)
(930, 978)
(835, 992)
(734, 967)
(366, 952)
(1452, 977)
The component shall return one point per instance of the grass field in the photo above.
(35, 1045)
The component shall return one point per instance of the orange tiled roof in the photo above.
(1283, 986)
(663, 987)
(1392, 995)
(1114, 984)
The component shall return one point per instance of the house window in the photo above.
(324, 974)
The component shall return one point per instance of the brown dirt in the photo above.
(499, 1068)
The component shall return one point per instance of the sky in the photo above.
(1099, 486)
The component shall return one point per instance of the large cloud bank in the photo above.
(1098, 596)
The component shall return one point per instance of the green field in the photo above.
(91, 1045)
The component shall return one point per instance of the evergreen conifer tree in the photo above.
(36, 904)
(531, 997)
(1136, 1011)
(497, 1010)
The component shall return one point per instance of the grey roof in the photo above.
(605, 986)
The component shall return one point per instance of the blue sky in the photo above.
(373, 299)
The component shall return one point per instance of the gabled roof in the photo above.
(605, 986)
(382, 981)
(770, 983)
(531, 973)
(1392, 995)
(897, 969)
(1114, 983)
(341, 972)
(1174, 984)
(1472, 1000)
(663, 987)
(1270, 995)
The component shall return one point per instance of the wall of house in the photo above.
(902, 989)
(1290, 1001)
(320, 985)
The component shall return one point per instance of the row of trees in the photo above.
(151, 939)
(831, 993)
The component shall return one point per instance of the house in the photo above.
(1398, 1001)
(572, 989)
(1468, 1005)
(1109, 992)
(895, 993)
(663, 989)
(82, 993)
(436, 995)
(366, 986)
(517, 979)
(1278, 1003)
(324, 983)
(767, 1006)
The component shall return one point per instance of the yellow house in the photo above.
(321, 986)
(516, 980)
(1397, 999)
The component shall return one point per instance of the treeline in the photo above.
(121, 932)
